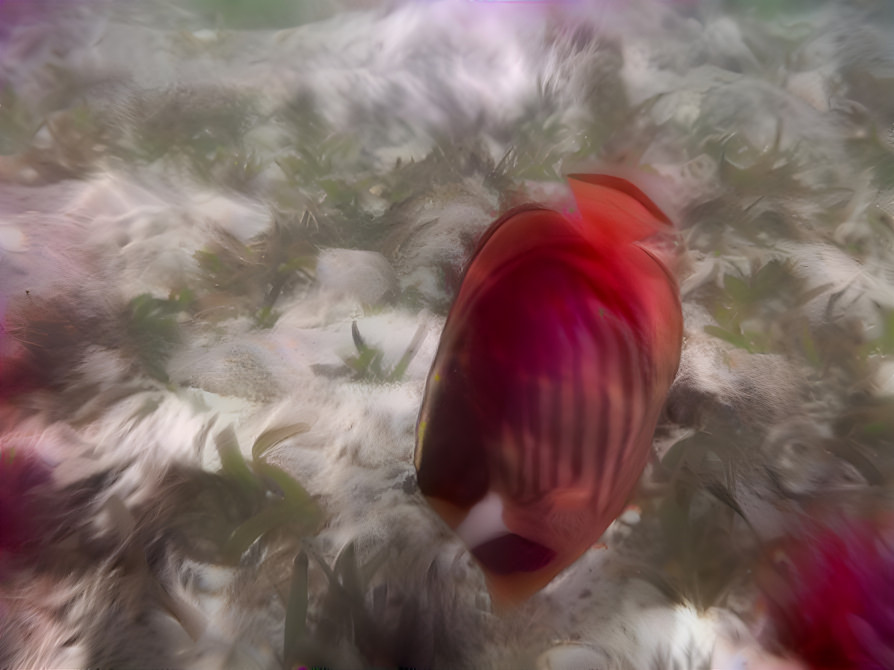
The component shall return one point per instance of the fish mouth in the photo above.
(510, 553)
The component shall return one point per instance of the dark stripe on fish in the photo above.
(604, 418)
(553, 446)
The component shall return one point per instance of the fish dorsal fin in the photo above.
(615, 211)
(516, 233)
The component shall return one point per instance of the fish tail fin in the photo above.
(614, 210)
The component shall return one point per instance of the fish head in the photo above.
(533, 542)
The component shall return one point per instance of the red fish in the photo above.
(829, 592)
(21, 512)
(552, 370)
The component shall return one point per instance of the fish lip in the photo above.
(510, 554)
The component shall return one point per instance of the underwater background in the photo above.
(230, 233)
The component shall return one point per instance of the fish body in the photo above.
(828, 588)
(552, 369)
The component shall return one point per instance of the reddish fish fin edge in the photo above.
(498, 223)
(626, 187)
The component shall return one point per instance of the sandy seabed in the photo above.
(203, 466)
